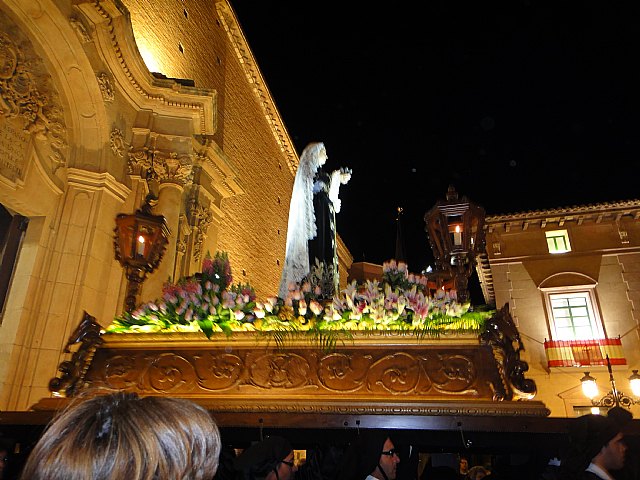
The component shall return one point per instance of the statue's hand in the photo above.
(345, 175)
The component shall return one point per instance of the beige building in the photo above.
(571, 278)
(87, 131)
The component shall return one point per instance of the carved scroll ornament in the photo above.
(295, 372)
(26, 93)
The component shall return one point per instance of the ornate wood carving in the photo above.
(502, 335)
(87, 334)
(380, 372)
(367, 374)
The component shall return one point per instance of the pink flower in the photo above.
(315, 307)
(302, 307)
(228, 299)
(258, 311)
(389, 266)
(270, 303)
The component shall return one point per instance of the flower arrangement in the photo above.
(210, 302)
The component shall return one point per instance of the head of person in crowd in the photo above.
(599, 440)
(380, 460)
(477, 472)
(463, 466)
(123, 436)
(376, 456)
(5, 450)
(269, 459)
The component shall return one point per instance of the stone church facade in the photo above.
(87, 131)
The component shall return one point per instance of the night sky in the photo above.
(520, 105)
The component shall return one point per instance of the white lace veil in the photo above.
(302, 219)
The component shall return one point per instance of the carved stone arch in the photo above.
(567, 279)
(85, 119)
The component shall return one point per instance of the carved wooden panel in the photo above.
(412, 371)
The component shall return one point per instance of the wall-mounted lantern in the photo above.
(140, 241)
(456, 235)
(615, 397)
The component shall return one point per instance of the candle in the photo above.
(457, 236)
(140, 250)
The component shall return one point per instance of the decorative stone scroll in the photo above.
(139, 162)
(27, 94)
(118, 145)
(200, 219)
(80, 29)
(172, 168)
(106, 88)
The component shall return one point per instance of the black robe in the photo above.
(323, 245)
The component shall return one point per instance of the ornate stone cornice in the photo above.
(597, 212)
(97, 181)
(251, 70)
(115, 41)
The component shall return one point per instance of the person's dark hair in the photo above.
(588, 434)
(322, 463)
(6, 445)
(261, 458)
(122, 436)
(363, 455)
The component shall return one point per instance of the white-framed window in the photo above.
(558, 241)
(573, 314)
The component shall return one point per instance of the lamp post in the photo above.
(615, 397)
(140, 241)
(456, 236)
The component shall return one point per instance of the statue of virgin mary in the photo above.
(311, 233)
(302, 219)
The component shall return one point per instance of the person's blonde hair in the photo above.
(121, 436)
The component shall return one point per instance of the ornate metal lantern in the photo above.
(615, 397)
(456, 235)
(140, 241)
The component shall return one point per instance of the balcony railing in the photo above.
(583, 353)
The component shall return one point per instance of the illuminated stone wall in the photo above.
(193, 42)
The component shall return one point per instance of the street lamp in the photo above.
(456, 235)
(615, 397)
(140, 241)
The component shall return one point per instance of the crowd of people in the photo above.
(123, 436)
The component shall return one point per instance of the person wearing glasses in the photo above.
(372, 456)
(270, 459)
(388, 463)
